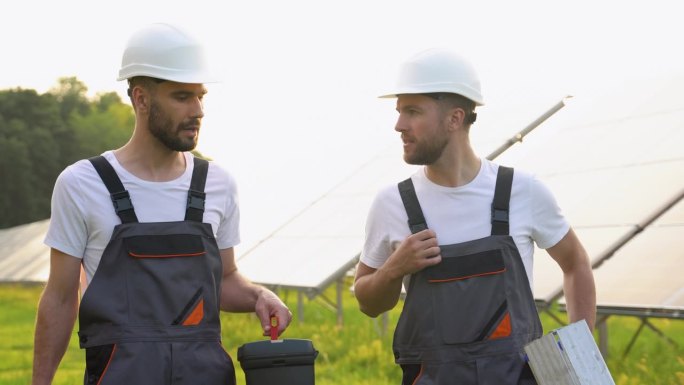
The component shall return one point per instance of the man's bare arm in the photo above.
(56, 316)
(578, 278)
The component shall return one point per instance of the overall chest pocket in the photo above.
(165, 246)
(469, 297)
(164, 274)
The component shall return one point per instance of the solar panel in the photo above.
(322, 242)
(644, 277)
(24, 256)
(611, 162)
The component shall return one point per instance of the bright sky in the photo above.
(298, 110)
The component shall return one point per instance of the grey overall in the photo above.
(151, 313)
(466, 320)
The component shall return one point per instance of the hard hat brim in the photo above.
(478, 102)
(167, 74)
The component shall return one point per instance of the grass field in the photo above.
(357, 353)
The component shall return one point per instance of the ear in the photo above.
(141, 99)
(456, 118)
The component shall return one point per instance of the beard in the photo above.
(427, 152)
(161, 127)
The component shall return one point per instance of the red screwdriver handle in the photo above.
(274, 328)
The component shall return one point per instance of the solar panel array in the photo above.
(613, 162)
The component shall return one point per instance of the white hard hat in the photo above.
(438, 70)
(164, 51)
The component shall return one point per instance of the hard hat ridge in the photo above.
(438, 70)
(167, 52)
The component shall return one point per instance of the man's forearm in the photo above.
(238, 294)
(578, 278)
(377, 292)
(580, 295)
(54, 324)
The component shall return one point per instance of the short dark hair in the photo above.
(143, 81)
(448, 101)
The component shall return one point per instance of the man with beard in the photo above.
(153, 229)
(459, 235)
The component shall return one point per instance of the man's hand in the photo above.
(268, 304)
(415, 253)
(378, 290)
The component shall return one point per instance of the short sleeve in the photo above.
(228, 231)
(385, 228)
(67, 231)
(549, 225)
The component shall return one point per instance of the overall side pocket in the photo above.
(98, 359)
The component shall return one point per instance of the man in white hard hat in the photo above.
(153, 228)
(460, 234)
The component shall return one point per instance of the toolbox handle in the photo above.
(274, 328)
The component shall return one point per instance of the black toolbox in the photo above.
(281, 362)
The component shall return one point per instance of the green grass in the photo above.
(356, 353)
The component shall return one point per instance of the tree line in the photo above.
(41, 134)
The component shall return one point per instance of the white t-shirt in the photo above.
(83, 216)
(460, 214)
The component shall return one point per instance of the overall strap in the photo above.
(120, 197)
(194, 210)
(416, 220)
(502, 197)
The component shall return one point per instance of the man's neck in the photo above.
(150, 163)
(455, 168)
